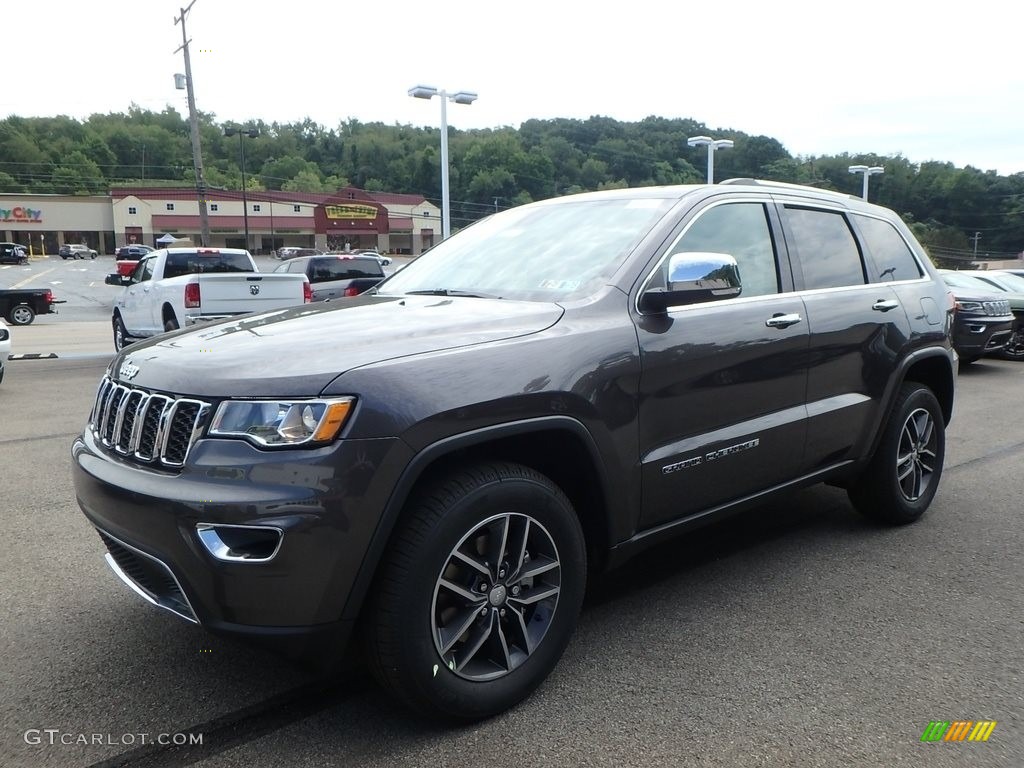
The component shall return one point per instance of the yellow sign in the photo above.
(351, 211)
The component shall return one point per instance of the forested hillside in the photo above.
(495, 168)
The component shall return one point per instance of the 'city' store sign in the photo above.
(20, 215)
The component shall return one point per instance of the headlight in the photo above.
(282, 422)
(969, 306)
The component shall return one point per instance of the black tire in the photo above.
(902, 477)
(121, 338)
(170, 324)
(526, 620)
(1014, 347)
(21, 314)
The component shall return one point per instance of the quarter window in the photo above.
(742, 231)
(828, 252)
(891, 258)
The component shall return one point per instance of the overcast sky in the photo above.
(915, 78)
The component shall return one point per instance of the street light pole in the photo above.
(252, 133)
(713, 145)
(459, 97)
(868, 172)
(197, 152)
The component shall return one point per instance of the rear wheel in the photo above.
(901, 480)
(170, 323)
(21, 315)
(478, 594)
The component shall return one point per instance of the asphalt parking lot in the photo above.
(797, 634)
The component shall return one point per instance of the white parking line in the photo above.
(33, 277)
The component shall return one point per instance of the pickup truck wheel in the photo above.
(170, 324)
(479, 593)
(120, 334)
(902, 478)
(21, 315)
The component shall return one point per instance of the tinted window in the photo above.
(890, 254)
(343, 269)
(829, 256)
(179, 264)
(742, 231)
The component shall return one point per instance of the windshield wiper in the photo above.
(453, 292)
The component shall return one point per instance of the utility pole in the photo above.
(197, 152)
(976, 238)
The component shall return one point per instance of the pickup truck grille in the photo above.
(146, 426)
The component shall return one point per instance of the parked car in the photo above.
(1012, 287)
(76, 251)
(384, 260)
(5, 346)
(983, 322)
(13, 253)
(180, 287)
(333, 276)
(293, 252)
(437, 466)
(21, 305)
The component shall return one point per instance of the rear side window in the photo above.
(179, 264)
(891, 257)
(343, 269)
(828, 252)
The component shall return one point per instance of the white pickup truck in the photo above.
(179, 287)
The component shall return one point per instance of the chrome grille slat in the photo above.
(147, 427)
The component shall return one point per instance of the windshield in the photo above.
(543, 253)
(1012, 283)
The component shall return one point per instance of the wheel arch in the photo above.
(167, 312)
(559, 447)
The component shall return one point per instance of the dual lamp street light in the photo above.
(252, 133)
(713, 145)
(868, 173)
(459, 97)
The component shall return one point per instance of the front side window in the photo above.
(828, 253)
(740, 230)
(891, 257)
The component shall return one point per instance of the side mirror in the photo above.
(692, 277)
(117, 280)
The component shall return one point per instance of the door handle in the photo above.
(782, 321)
(884, 305)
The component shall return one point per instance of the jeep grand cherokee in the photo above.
(554, 389)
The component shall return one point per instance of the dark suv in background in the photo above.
(439, 464)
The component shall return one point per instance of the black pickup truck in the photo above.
(20, 306)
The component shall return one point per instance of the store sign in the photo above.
(351, 211)
(20, 215)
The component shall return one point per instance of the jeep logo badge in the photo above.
(254, 290)
(127, 371)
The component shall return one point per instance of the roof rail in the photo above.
(784, 185)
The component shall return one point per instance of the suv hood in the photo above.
(298, 351)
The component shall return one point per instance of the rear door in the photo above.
(722, 383)
(135, 303)
(857, 330)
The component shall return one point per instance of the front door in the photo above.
(723, 382)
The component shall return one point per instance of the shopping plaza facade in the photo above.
(348, 218)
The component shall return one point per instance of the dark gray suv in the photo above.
(437, 466)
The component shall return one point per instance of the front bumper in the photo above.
(326, 503)
(973, 336)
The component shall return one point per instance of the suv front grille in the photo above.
(146, 426)
(997, 308)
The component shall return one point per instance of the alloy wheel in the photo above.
(495, 597)
(916, 455)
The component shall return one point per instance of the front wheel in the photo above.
(120, 334)
(21, 315)
(900, 481)
(479, 593)
(1014, 347)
